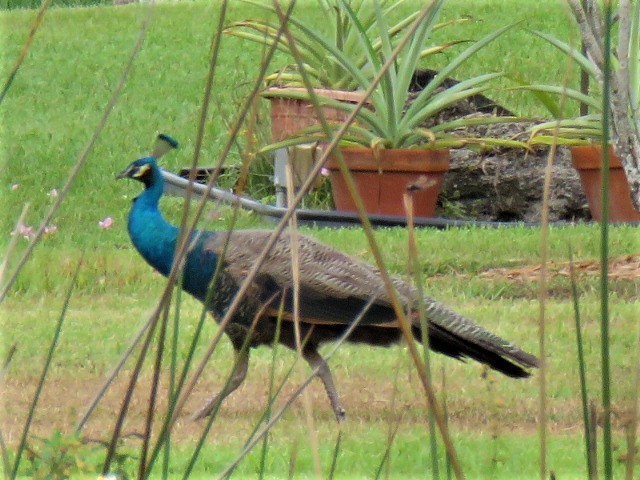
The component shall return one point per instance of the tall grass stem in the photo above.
(153, 393)
(112, 375)
(368, 230)
(604, 247)
(542, 296)
(45, 370)
(414, 271)
(633, 423)
(582, 370)
(12, 243)
(25, 49)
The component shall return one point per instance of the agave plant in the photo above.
(588, 127)
(625, 83)
(568, 130)
(323, 55)
(394, 118)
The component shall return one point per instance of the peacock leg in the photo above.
(311, 355)
(241, 365)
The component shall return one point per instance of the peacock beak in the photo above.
(122, 174)
(126, 173)
(134, 171)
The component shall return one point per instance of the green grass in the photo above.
(104, 315)
(48, 117)
(33, 4)
(508, 458)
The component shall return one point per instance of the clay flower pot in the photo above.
(290, 115)
(382, 181)
(587, 161)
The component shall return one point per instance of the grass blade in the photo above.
(414, 271)
(153, 394)
(117, 429)
(631, 427)
(184, 234)
(445, 410)
(295, 267)
(591, 473)
(212, 416)
(112, 375)
(270, 392)
(593, 436)
(6, 463)
(45, 370)
(544, 254)
(387, 451)
(25, 49)
(392, 427)
(12, 243)
(334, 457)
(172, 377)
(184, 391)
(604, 249)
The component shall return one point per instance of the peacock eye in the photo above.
(142, 171)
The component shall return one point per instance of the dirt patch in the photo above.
(626, 267)
(64, 401)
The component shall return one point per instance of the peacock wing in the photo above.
(333, 286)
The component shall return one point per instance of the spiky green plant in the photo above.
(323, 55)
(624, 53)
(588, 128)
(394, 119)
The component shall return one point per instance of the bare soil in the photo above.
(64, 401)
(626, 267)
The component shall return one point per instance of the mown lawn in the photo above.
(100, 324)
(47, 119)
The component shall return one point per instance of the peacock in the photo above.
(334, 289)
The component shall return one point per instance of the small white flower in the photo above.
(25, 230)
(105, 223)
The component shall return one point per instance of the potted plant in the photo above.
(584, 133)
(314, 55)
(322, 57)
(389, 139)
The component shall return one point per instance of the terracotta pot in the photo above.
(587, 160)
(289, 115)
(382, 181)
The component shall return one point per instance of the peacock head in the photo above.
(146, 169)
(143, 170)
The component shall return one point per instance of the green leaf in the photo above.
(568, 92)
(423, 107)
(448, 70)
(586, 64)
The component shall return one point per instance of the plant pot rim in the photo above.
(352, 96)
(589, 157)
(392, 159)
(406, 149)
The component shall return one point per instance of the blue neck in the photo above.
(150, 233)
(156, 239)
